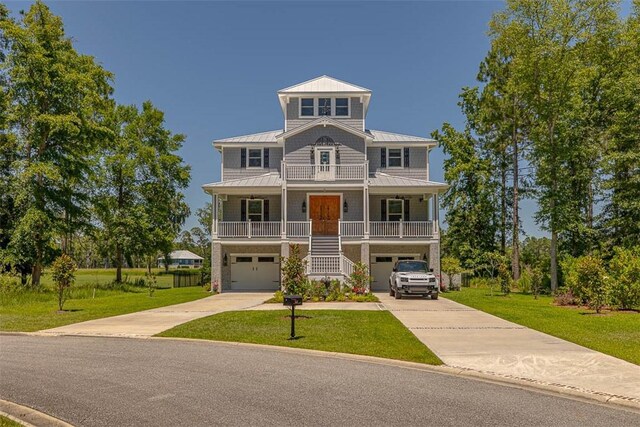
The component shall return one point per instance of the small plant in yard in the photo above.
(63, 274)
(450, 266)
(504, 277)
(293, 272)
(564, 297)
(595, 283)
(625, 272)
(360, 279)
(152, 283)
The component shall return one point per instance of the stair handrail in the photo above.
(310, 232)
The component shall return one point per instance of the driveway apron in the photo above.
(467, 338)
(150, 322)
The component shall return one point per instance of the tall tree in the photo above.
(547, 38)
(56, 102)
(470, 200)
(138, 200)
(621, 213)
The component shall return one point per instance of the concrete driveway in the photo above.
(467, 338)
(150, 322)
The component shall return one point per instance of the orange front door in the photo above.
(324, 212)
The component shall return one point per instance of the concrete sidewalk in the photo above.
(150, 322)
(467, 338)
(346, 305)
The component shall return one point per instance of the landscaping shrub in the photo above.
(504, 278)
(10, 283)
(317, 290)
(525, 282)
(564, 297)
(592, 281)
(625, 276)
(278, 297)
(294, 280)
(480, 282)
(63, 274)
(360, 280)
(450, 266)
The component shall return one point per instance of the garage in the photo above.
(259, 272)
(381, 266)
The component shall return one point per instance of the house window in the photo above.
(254, 209)
(306, 107)
(324, 106)
(255, 157)
(394, 158)
(395, 209)
(342, 106)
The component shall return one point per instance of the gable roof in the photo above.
(324, 84)
(324, 121)
(182, 254)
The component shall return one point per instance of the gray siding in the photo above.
(297, 150)
(232, 169)
(417, 163)
(231, 208)
(356, 119)
(418, 211)
(352, 197)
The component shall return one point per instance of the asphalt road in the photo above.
(127, 382)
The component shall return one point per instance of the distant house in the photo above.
(182, 259)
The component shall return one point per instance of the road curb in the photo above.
(591, 396)
(29, 417)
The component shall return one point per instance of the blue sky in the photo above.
(214, 67)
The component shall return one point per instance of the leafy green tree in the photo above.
(625, 272)
(63, 275)
(138, 202)
(56, 104)
(294, 279)
(450, 266)
(470, 199)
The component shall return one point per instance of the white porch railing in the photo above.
(352, 228)
(249, 229)
(348, 172)
(298, 228)
(329, 265)
(401, 229)
(347, 266)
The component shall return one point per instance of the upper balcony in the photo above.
(324, 172)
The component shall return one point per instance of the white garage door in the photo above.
(255, 272)
(381, 266)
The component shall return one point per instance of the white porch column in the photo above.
(283, 213)
(436, 205)
(214, 215)
(216, 264)
(365, 209)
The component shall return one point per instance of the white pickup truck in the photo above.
(412, 278)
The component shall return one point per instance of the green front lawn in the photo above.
(371, 333)
(616, 333)
(33, 311)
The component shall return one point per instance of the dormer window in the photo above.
(324, 106)
(307, 107)
(317, 107)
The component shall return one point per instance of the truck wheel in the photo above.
(434, 296)
(391, 293)
(398, 295)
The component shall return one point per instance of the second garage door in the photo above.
(255, 272)
(381, 266)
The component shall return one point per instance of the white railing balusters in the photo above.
(352, 228)
(348, 172)
(401, 229)
(298, 228)
(249, 229)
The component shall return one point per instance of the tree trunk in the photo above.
(503, 211)
(36, 273)
(118, 263)
(515, 254)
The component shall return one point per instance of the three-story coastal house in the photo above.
(343, 192)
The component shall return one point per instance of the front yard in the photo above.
(33, 311)
(616, 333)
(371, 333)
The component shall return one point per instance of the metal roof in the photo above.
(182, 255)
(267, 180)
(324, 121)
(379, 136)
(268, 136)
(324, 84)
(383, 136)
(384, 180)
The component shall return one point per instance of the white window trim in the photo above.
(316, 107)
(261, 158)
(261, 208)
(401, 157)
(388, 210)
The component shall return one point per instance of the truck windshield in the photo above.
(412, 266)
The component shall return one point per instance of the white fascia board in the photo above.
(372, 143)
(218, 146)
